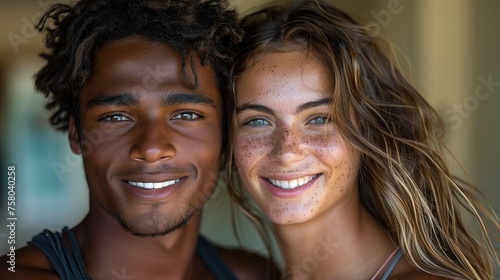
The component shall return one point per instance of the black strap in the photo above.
(67, 266)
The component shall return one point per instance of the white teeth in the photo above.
(153, 185)
(292, 184)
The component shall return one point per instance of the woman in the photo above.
(343, 155)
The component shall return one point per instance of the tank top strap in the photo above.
(392, 265)
(67, 266)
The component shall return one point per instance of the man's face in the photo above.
(150, 144)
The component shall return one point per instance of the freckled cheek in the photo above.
(250, 150)
(336, 153)
(345, 163)
(324, 146)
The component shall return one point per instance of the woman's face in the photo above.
(289, 153)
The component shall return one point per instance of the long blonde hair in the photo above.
(404, 179)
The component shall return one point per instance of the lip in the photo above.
(292, 192)
(153, 188)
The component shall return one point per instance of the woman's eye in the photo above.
(256, 122)
(186, 116)
(319, 120)
(115, 118)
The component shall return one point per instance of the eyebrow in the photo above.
(186, 98)
(301, 108)
(104, 99)
(249, 106)
(127, 99)
(312, 104)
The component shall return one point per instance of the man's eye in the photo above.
(115, 118)
(186, 116)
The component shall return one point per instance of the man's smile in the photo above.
(153, 185)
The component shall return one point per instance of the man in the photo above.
(139, 87)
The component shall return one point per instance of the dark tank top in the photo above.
(71, 267)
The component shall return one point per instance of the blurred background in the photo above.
(452, 45)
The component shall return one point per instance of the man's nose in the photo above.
(153, 142)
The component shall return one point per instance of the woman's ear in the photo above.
(73, 136)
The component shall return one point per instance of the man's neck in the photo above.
(109, 251)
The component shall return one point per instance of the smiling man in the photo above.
(158, 155)
(140, 88)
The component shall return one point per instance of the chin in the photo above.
(154, 229)
(280, 217)
(154, 223)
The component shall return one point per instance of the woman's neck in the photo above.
(341, 244)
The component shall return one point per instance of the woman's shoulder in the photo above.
(417, 275)
(405, 271)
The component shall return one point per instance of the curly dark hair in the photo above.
(205, 30)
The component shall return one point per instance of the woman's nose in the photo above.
(287, 145)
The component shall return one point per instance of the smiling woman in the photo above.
(343, 155)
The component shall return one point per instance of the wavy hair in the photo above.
(404, 179)
(205, 30)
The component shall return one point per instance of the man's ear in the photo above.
(74, 139)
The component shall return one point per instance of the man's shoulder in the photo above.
(247, 265)
(27, 263)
